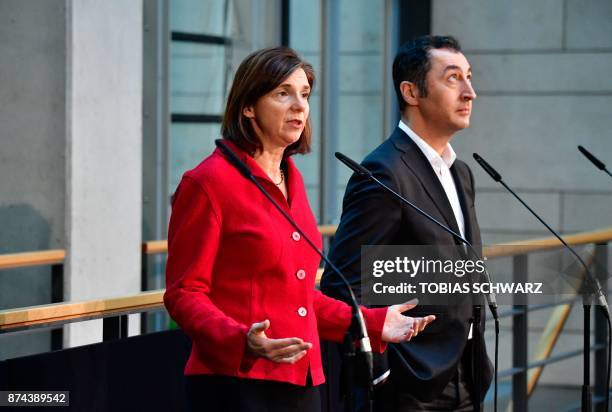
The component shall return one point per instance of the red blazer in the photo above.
(233, 260)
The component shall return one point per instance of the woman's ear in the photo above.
(249, 112)
(410, 93)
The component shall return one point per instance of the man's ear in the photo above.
(249, 111)
(410, 93)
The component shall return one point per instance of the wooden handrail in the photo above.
(155, 246)
(58, 313)
(50, 257)
(546, 243)
(62, 312)
(44, 257)
(328, 230)
(507, 249)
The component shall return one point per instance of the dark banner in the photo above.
(141, 373)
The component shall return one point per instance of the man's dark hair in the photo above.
(412, 62)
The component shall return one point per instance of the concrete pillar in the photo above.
(103, 155)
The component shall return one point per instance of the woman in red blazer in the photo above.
(240, 280)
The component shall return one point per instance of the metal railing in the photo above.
(114, 311)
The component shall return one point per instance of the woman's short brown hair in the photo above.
(260, 73)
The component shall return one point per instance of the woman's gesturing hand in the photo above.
(400, 328)
(286, 350)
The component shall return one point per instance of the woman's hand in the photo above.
(400, 328)
(287, 350)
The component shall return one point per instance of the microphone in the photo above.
(364, 172)
(487, 167)
(594, 283)
(235, 160)
(353, 165)
(358, 320)
(598, 163)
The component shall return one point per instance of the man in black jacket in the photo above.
(436, 370)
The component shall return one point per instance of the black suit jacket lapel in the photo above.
(416, 161)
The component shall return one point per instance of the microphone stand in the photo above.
(357, 330)
(476, 348)
(601, 166)
(595, 289)
(491, 301)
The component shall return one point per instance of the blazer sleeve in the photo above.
(334, 318)
(193, 240)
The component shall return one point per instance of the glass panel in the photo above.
(197, 16)
(361, 25)
(361, 41)
(198, 78)
(305, 26)
(361, 83)
(304, 35)
(189, 144)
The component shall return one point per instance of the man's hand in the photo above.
(287, 350)
(400, 328)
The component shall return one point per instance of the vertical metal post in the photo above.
(57, 295)
(519, 339)
(415, 17)
(156, 117)
(285, 22)
(601, 329)
(330, 91)
(587, 397)
(155, 134)
(144, 286)
(114, 328)
(392, 37)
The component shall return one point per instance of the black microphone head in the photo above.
(488, 168)
(598, 163)
(234, 159)
(353, 165)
